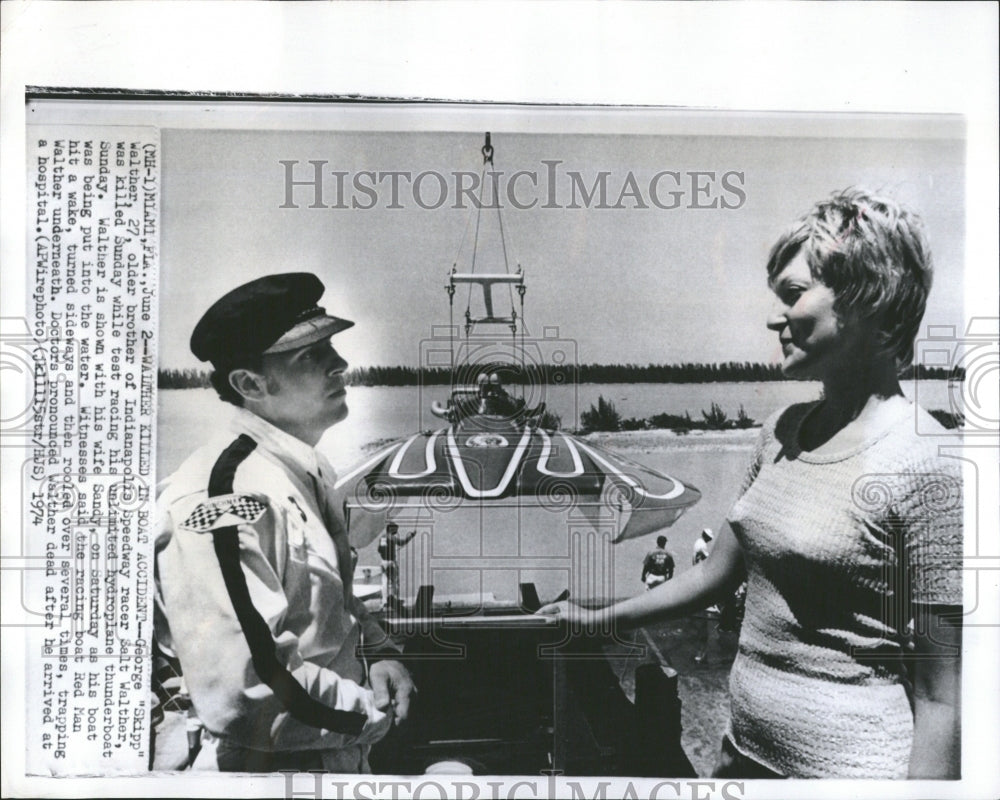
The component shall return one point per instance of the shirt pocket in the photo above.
(311, 580)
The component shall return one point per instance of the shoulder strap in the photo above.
(263, 651)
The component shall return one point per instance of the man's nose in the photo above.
(337, 363)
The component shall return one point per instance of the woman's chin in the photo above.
(794, 369)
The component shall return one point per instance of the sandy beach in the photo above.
(663, 439)
(703, 687)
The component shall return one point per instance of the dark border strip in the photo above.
(263, 651)
(157, 95)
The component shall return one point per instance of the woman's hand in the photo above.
(573, 615)
(692, 590)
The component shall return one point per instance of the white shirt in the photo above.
(296, 563)
(700, 550)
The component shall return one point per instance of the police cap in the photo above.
(268, 315)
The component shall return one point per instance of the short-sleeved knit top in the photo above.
(837, 548)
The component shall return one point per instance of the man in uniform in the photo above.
(253, 562)
(658, 565)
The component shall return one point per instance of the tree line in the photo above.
(556, 374)
(605, 417)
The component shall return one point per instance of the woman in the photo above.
(847, 526)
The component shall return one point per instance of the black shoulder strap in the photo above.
(263, 651)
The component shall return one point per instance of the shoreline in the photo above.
(667, 439)
(647, 441)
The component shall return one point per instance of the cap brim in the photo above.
(309, 331)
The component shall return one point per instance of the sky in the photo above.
(604, 285)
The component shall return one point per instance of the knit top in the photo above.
(838, 547)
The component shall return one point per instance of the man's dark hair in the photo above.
(220, 377)
(661, 541)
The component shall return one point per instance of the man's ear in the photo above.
(248, 384)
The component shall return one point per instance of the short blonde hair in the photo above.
(872, 252)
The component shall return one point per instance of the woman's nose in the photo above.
(776, 318)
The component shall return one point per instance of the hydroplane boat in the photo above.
(510, 512)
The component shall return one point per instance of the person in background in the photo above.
(658, 565)
(388, 550)
(847, 526)
(706, 620)
(286, 670)
(701, 546)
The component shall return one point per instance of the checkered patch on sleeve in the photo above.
(221, 512)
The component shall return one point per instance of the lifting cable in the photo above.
(487, 153)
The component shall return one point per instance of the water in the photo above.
(716, 466)
(188, 416)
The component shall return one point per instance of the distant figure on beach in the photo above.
(707, 621)
(388, 551)
(701, 546)
(658, 565)
(847, 526)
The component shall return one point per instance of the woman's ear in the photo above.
(865, 321)
(866, 330)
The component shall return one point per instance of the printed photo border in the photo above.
(980, 250)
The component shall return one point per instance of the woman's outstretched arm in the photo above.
(692, 590)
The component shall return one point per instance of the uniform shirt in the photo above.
(285, 610)
(657, 562)
(839, 547)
